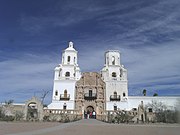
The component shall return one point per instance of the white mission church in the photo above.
(102, 91)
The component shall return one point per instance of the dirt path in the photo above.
(94, 127)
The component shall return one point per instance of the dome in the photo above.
(70, 48)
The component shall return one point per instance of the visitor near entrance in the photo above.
(94, 115)
(85, 115)
(88, 115)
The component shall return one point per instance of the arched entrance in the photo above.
(33, 110)
(32, 113)
(89, 112)
(90, 109)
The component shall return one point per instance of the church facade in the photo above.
(90, 93)
(102, 91)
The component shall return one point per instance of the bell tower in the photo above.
(113, 70)
(65, 76)
(115, 76)
(69, 55)
(112, 58)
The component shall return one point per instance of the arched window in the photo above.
(115, 94)
(60, 72)
(113, 74)
(65, 93)
(124, 94)
(63, 59)
(69, 58)
(56, 93)
(67, 74)
(113, 60)
(74, 59)
(121, 72)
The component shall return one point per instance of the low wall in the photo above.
(61, 115)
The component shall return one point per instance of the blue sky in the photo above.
(33, 34)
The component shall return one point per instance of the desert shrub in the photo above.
(8, 118)
(46, 118)
(2, 115)
(162, 114)
(64, 118)
(122, 117)
(19, 115)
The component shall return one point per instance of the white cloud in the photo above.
(26, 75)
(153, 67)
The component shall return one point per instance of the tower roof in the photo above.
(70, 48)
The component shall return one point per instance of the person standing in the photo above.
(88, 114)
(85, 114)
(94, 115)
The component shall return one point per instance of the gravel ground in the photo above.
(87, 127)
(17, 127)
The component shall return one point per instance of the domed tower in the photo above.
(69, 68)
(115, 76)
(66, 75)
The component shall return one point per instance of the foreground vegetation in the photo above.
(160, 114)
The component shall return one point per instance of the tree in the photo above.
(155, 94)
(158, 108)
(44, 94)
(144, 92)
(9, 102)
(162, 113)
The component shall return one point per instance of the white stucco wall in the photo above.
(119, 86)
(61, 85)
(59, 105)
(135, 101)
